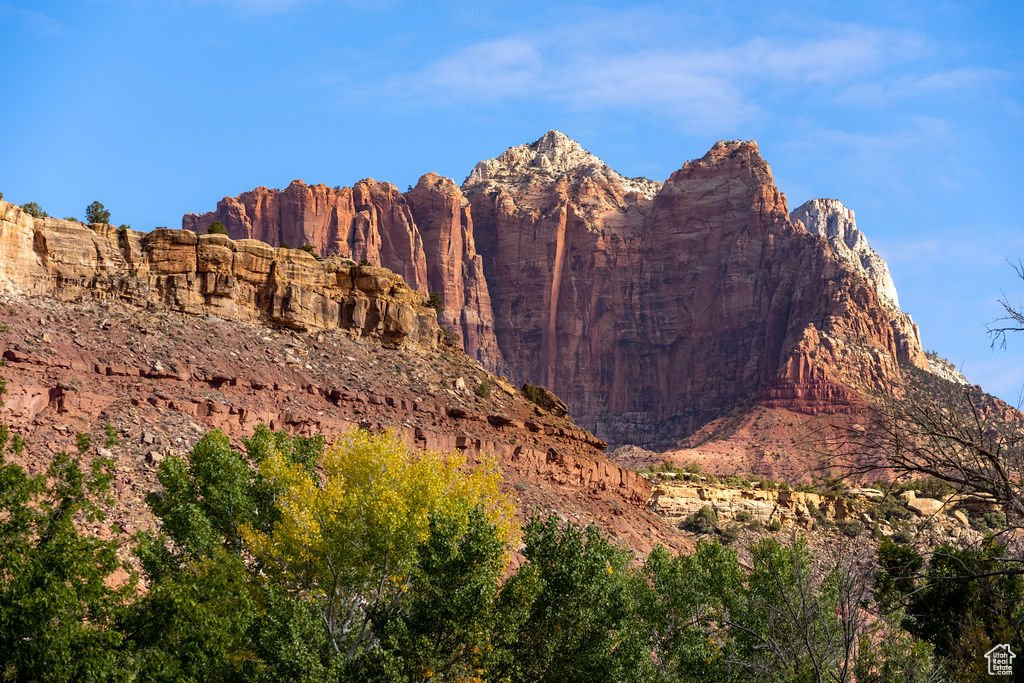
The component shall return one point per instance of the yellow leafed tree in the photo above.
(348, 532)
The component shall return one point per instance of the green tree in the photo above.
(684, 603)
(580, 610)
(888, 654)
(963, 602)
(788, 626)
(434, 301)
(364, 560)
(349, 534)
(57, 614)
(445, 626)
(33, 209)
(192, 625)
(217, 228)
(704, 521)
(210, 613)
(97, 213)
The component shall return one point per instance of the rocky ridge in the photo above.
(930, 520)
(940, 367)
(651, 308)
(838, 224)
(425, 235)
(554, 158)
(209, 275)
(164, 336)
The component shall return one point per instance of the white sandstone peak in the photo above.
(838, 224)
(553, 156)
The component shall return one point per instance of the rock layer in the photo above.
(210, 275)
(424, 235)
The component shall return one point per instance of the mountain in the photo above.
(838, 224)
(652, 308)
(155, 338)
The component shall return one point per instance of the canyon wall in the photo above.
(209, 275)
(651, 308)
(424, 235)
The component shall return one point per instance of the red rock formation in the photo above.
(454, 268)
(652, 311)
(209, 275)
(370, 221)
(426, 236)
(161, 336)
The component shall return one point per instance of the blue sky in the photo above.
(912, 113)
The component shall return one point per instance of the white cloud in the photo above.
(883, 92)
(607, 63)
(494, 68)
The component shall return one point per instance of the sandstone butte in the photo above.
(651, 308)
(165, 335)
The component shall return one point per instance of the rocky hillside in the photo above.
(651, 308)
(144, 341)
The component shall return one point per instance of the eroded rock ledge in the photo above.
(214, 275)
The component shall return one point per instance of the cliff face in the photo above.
(454, 268)
(369, 221)
(425, 235)
(653, 310)
(210, 275)
(838, 224)
(161, 337)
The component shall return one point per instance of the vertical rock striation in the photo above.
(425, 235)
(653, 309)
(369, 221)
(454, 268)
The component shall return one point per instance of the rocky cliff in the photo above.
(210, 275)
(424, 235)
(156, 338)
(838, 224)
(653, 309)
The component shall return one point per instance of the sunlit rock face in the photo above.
(838, 224)
(425, 235)
(651, 308)
(654, 308)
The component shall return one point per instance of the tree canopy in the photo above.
(365, 560)
(97, 213)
